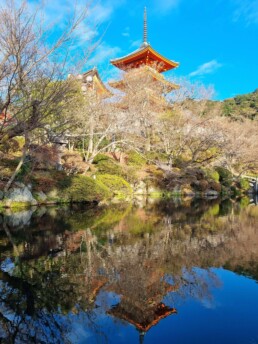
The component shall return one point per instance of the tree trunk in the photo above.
(19, 166)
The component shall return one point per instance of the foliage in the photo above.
(242, 106)
(244, 184)
(13, 145)
(225, 176)
(116, 184)
(109, 166)
(212, 174)
(135, 159)
(100, 157)
(82, 189)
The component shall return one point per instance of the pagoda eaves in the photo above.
(91, 80)
(147, 56)
(141, 74)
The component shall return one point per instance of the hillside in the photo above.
(242, 106)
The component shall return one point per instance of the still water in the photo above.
(156, 272)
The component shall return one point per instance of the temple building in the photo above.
(149, 63)
(91, 81)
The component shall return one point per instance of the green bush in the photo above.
(116, 184)
(156, 156)
(109, 167)
(100, 157)
(244, 184)
(225, 176)
(82, 189)
(136, 159)
(212, 174)
(13, 145)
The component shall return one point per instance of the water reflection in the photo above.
(125, 264)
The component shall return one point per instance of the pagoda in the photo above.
(143, 72)
(145, 63)
(145, 56)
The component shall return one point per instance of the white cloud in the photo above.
(246, 10)
(103, 54)
(166, 5)
(136, 44)
(206, 68)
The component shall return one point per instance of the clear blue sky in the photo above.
(215, 41)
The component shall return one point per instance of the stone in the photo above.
(19, 195)
(211, 193)
(19, 185)
(19, 219)
(140, 189)
(40, 196)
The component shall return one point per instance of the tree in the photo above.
(35, 92)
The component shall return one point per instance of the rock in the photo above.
(211, 193)
(152, 189)
(177, 189)
(140, 189)
(19, 195)
(187, 190)
(41, 197)
(19, 185)
(19, 219)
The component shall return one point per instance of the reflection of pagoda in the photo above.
(141, 299)
(150, 62)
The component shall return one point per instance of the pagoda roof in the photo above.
(147, 71)
(142, 321)
(145, 55)
(98, 83)
(92, 80)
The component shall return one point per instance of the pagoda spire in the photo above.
(145, 28)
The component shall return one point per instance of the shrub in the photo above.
(44, 184)
(13, 145)
(244, 184)
(44, 157)
(200, 185)
(100, 157)
(212, 174)
(225, 176)
(82, 189)
(109, 167)
(116, 184)
(135, 159)
(215, 186)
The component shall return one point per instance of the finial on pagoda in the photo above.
(145, 28)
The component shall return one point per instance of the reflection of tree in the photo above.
(146, 256)
(30, 306)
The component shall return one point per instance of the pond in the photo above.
(153, 271)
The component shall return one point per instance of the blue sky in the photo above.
(215, 41)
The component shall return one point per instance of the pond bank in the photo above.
(111, 182)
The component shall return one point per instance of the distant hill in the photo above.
(242, 106)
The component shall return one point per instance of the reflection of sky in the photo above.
(213, 305)
(7, 265)
(229, 317)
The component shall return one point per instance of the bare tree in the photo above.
(35, 93)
